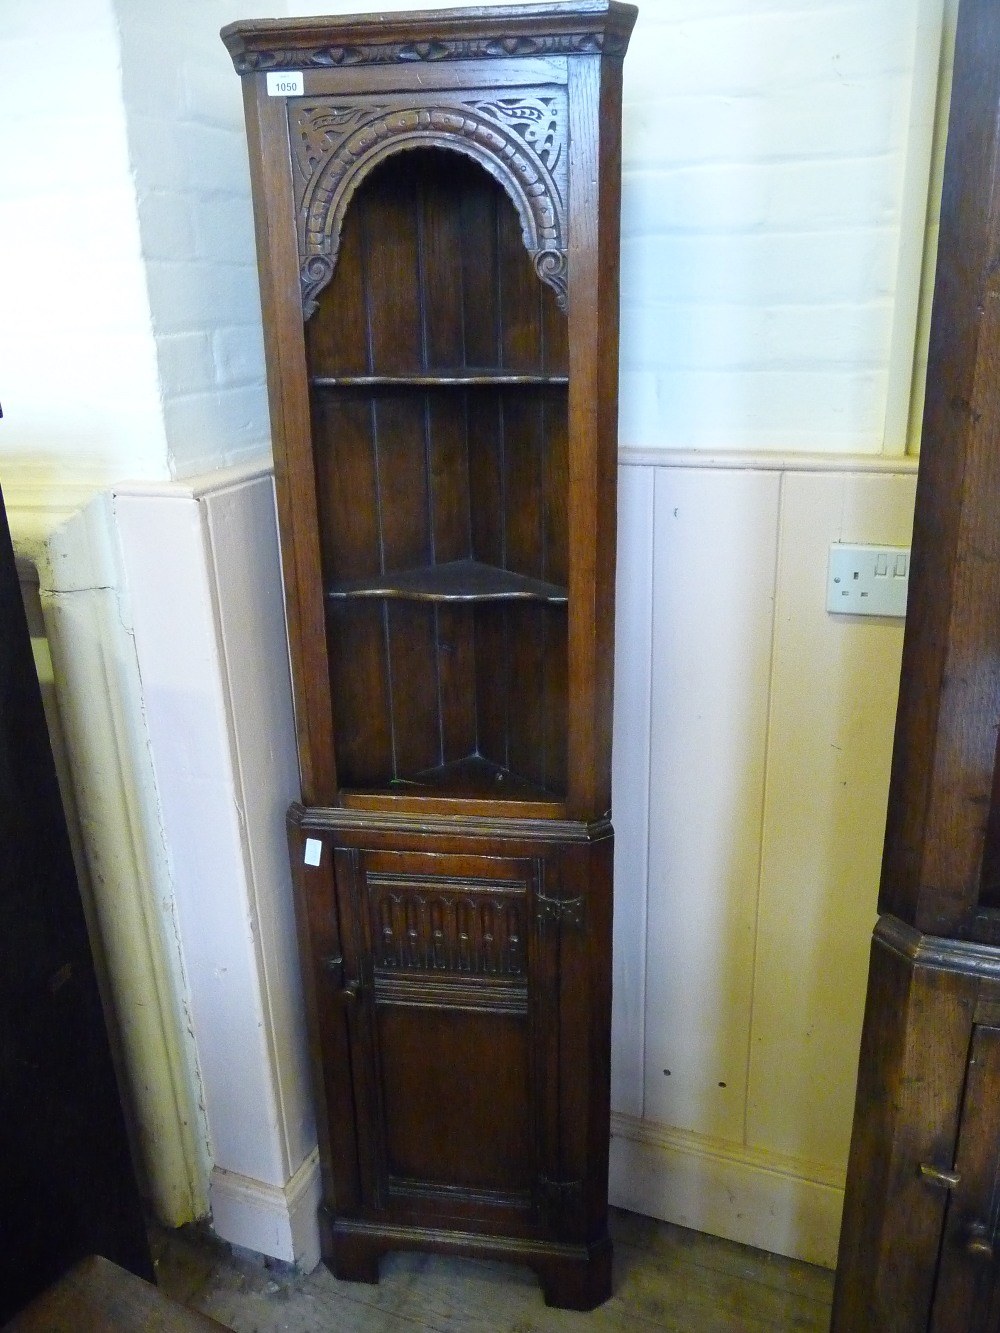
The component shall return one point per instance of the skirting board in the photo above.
(756, 1198)
(280, 1222)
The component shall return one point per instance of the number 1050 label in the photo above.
(284, 83)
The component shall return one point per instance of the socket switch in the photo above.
(868, 580)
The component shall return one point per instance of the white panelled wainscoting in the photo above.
(753, 734)
(752, 743)
(164, 611)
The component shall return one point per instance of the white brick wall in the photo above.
(765, 145)
(188, 152)
(764, 148)
(77, 364)
(764, 155)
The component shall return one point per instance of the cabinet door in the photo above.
(451, 1032)
(967, 1299)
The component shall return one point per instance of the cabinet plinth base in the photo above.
(573, 1277)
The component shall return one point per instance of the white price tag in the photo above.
(285, 83)
(314, 850)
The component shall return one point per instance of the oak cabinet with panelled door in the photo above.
(436, 199)
(920, 1242)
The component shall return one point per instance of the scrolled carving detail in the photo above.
(535, 119)
(550, 265)
(520, 141)
(316, 272)
(321, 127)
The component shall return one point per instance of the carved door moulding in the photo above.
(520, 139)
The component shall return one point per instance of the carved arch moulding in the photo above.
(519, 139)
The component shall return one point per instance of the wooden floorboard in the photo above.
(666, 1278)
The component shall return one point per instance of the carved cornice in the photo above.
(518, 31)
(938, 952)
(519, 139)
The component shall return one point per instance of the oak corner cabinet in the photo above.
(920, 1242)
(436, 198)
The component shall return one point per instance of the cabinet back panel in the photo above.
(407, 478)
(481, 278)
(432, 274)
(359, 678)
(399, 439)
(526, 687)
(522, 682)
(520, 298)
(347, 490)
(486, 477)
(419, 685)
(441, 238)
(447, 429)
(555, 335)
(413, 674)
(337, 335)
(457, 681)
(555, 488)
(393, 291)
(524, 478)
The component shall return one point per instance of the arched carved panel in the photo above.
(520, 140)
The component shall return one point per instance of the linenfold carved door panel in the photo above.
(445, 1027)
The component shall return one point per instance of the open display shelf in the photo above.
(442, 487)
(472, 777)
(464, 378)
(454, 581)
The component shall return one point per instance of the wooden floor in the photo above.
(665, 1278)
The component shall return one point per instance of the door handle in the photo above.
(979, 1242)
(347, 991)
(939, 1179)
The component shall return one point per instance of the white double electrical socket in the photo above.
(868, 580)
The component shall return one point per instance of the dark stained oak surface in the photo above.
(919, 1239)
(437, 227)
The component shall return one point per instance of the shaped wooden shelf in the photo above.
(454, 581)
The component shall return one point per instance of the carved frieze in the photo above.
(252, 61)
(521, 140)
(464, 927)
